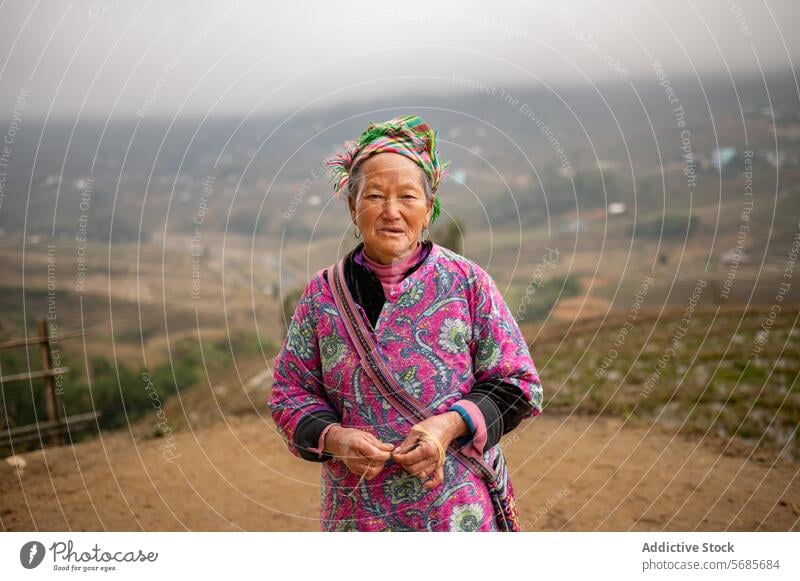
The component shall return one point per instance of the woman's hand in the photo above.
(420, 457)
(362, 453)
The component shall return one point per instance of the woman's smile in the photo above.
(392, 231)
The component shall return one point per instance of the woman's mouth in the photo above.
(392, 231)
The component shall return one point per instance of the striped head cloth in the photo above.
(407, 135)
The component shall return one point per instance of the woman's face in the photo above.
(391, 209)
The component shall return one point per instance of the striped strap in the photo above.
(375, 367)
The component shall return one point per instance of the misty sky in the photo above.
(130, 57)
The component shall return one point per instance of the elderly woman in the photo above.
(402, 366)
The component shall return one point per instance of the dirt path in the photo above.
(570, 473)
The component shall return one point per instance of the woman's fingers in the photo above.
(423, 468)
(362, 466)
(368, 467)
(438, 478)
(408, 444)
(363, 453)
(367, 447)
(421, 452)
(370, 457)
(427, 465)
(375, 451)
(373, 471)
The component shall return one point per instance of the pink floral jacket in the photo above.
(442, 329)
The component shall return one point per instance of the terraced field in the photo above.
(717, 373)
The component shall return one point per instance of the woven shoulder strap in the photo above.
(375, 367)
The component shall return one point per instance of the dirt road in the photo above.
(570, 473)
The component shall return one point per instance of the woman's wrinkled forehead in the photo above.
(390, 169)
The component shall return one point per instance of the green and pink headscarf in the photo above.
(407, 135)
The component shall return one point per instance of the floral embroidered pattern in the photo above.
(402, 487)
(331, 350)
(453, 335)
(467, 517)
(408, 379)
(487, 354)
(299, 339)
(411, 296)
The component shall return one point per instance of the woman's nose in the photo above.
(391, 208)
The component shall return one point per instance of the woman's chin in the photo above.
(394, 246)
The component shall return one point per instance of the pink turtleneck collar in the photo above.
(390, 274)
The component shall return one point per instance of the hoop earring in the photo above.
(357, 233)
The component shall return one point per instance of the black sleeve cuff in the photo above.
(511, 403)
(491, 416)
(306, 435)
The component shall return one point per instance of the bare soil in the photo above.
(569, 473)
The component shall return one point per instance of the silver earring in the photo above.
(425, 234)
(357, 233)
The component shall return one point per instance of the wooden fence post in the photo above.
(57, 426)
(51, 395)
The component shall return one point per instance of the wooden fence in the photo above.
(57, 425)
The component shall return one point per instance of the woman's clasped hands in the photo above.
(421, 454)
(361, 452)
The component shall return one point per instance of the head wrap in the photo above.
(407, 135)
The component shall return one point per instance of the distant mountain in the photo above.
(516, 152)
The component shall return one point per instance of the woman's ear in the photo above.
(352, 205)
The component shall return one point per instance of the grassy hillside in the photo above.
(727, 373)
